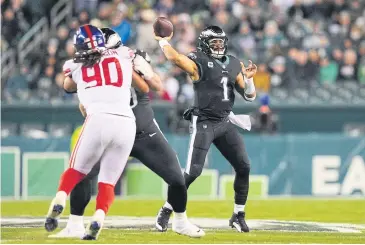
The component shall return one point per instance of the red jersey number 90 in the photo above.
(96, 77)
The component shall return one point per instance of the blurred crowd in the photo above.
(295, 43)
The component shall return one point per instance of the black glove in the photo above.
(188, 113)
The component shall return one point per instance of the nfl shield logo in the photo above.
(210, 64)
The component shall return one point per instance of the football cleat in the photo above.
(188, 229)
(92, 231)
(70, 232)
(238, 221)
(52, 217)
(162, 220)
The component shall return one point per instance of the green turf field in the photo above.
(316, 210)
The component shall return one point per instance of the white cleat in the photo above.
(69, 232)
(188, 229)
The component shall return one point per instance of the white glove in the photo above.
(143, 67)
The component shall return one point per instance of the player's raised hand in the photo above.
(158, 38)
(250, 70)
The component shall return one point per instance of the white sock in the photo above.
(180, 219)
(60, 198)
(168, 206)
(238, 208)
(180, 215)
(99, 215)
(75, 221)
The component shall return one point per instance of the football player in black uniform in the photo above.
(215, 75)
(150, 147)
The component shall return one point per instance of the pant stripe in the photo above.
(154, 120)
(191, 145)
(74, 152)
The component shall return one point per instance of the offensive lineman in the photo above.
(103, 80)
(150, 147)
(215, 75)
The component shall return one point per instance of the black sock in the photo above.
(177, 197)
(80, 197)
(241, 186)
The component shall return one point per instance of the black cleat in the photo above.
(52, 220)
(162, 220)
(92, 231)
(238, 221)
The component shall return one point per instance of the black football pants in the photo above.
(225, 136)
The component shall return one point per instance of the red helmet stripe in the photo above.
(89, 35)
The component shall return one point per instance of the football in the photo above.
(163, 27)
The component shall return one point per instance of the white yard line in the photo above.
(206, 223)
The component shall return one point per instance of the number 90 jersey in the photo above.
(105, 86)
(214, 91)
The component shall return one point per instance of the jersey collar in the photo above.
(223, 64)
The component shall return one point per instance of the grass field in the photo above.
(315, 210)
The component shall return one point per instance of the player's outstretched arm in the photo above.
(69, 85)
(244, 82)
(143, 67)
(178, 59)
(139, 83)
(155, 82)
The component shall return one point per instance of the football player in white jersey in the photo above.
(103, 79)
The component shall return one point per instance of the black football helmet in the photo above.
(213, 41)
(112, 39)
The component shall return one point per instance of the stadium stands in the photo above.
(308, 51)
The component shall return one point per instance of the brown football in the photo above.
(163, 27)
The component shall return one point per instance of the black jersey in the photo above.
(214, 91)
(140, 103)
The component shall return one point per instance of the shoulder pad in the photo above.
(125, 52)
(196, 56)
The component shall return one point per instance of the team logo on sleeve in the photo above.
(192, 56)
(210, 64)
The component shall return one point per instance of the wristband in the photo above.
(163, 43)
(250, 86)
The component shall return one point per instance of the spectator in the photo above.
(348, 68)
(145, 35)
(62, 36)
(272, 36)
(165, 7)
(227, 22)
(279, 73)
(84, 17)
(104, 13)
(16, 87)
(304, 70)
(262, 79)
(121, 25)
(328, 71)
(245, 41)
(361, 68)
(264, 121)
(10, 27)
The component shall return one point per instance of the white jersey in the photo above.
(105, 87)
